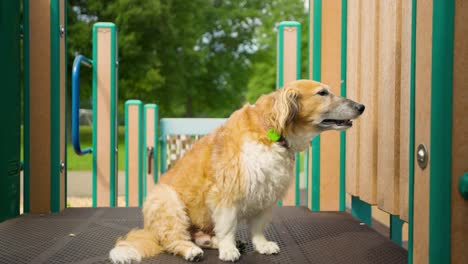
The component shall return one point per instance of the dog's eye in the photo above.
(323, 92)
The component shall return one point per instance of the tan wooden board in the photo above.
(63, 90)
(422, 129)
(289, 74)
(133, 154)
(368, 121)
(103, 116)
(331, 75)
(353, 62)
(388, 107)
(39, 112)
(405, 79)
(459, 215)
(150, 136)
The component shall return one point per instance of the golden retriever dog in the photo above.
(236, 173)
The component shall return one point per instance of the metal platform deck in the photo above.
(85, 235)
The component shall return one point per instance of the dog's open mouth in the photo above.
(336, 122)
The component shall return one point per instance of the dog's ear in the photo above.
(285, 108)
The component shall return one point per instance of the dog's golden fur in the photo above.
(219, 182)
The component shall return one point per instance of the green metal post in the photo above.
(316, 75)
(361, 210)
(26, 106)
(344, 36)
(10, 106)
(280, 83)
(113, 112)
(411, 133)
(441, 135)
(141, 150)
(396, 228)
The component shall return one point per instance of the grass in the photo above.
(84, 162)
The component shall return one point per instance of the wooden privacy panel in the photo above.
(459, 213)
(134, 153)
(389, 106)
(378, 74)
(353, 92)
(369, 82)
(405, 84)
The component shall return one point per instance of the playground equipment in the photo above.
(104, 149)
(406, 155)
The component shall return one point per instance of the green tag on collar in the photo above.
(272, 135)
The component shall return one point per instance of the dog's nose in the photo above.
(360, 108)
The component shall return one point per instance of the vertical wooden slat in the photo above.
(369, 82)
(405, 81)
(388, 142)
(353, 92)
(289, 75)
(423, 69)
(459, 215)
(103, 116)
(40, 85)
(330, 75)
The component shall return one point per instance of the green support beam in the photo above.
(10, 107)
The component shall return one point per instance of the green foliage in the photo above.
(192, 58)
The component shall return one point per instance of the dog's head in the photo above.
(303, 109)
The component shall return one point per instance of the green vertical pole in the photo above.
(411, 132)
(361, 210)
(280, 83)
(26, 105)
(441, 135)
(396, 228)
(156, 143)
(344, 37)
(145, 146)
(10, 107)
(141, 150)
(113, 112)
(55, 106)
(316, 75)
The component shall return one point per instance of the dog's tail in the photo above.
(137, 244)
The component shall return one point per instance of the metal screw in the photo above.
(62, 31)
(422, 156)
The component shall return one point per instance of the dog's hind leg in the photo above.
(165, 215)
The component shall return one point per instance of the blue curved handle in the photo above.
(76, 103)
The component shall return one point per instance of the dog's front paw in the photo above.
(229, 253)
(194, 254)
(267, 247)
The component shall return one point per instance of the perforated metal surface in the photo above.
(86, 235)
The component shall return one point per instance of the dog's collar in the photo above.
(275, 137)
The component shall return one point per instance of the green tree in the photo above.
(192, 58)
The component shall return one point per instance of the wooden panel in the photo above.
(103, 116)
(133, 155)
(62, 106)
(422, 129)
(405, 79)
(459, 214)
(369, 82)
(353, 92)
(150, 136)
(330, 75)
(289, 75)
(40, 84)
(388, 108)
